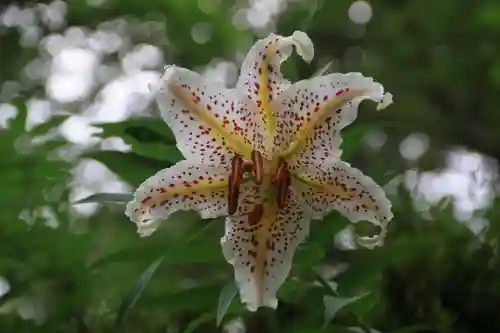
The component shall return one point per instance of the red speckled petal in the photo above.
(311, 114)
(347, 190)
(261, 78)
(262, 252)
(184, 186)
(207, 120)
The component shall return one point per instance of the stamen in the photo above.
(256, 214)
(258, 166)
(283, 184)
(237, 170)
(232, 198)
(234, 184)
(247, 166)
(282, 166)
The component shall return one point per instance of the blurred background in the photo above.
(76, 119)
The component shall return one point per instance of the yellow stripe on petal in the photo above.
(261, 248)
(261, 78)
(223, 128)
(184, 186)
(318, 114)
(208, 121)
(264, 89)
(332, 189)
(347, 190)
(311, 114)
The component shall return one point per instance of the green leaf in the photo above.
(200, 298)
(352, 139)
(323, 70)
(331, 287)
(145, 129)
(198, 321)
(201, 250)
(415, 329)
(366, 267)
(225, 298)
(322, 232)
(156, 150)
(106, 197)
(149, 137)
(334, 304)
(46, 126)
(131, 298)
(18, 124)
(313, 8)
(310, 255)
(131, 167)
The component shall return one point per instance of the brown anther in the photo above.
(283, 184)
(247, 166)
(282, 166)
(255, 214)
(258, 166)
(232, 197)
(234, 184)
(236, 170)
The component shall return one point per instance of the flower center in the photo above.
(277, 176)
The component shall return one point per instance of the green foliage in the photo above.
(76, 273)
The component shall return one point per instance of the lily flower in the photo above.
(266, 154)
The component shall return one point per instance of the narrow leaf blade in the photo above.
(334, 304)
(198, 322)
(106, 197)
(47, 126)
(225, 298)
(131, 298)
(323, 70)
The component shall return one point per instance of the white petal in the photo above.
(304, 45)
(205, 118)
(385, 102)
(311, 113)
(184, 186)
(262, 253)
(347, 190)
(261, 78)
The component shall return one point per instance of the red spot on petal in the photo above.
(146, 199)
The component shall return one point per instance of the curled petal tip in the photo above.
(304, 45)
(154, 87)
(251, 307)
(147, 228)
(169, 71)
(385, 102)
(371, 242)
